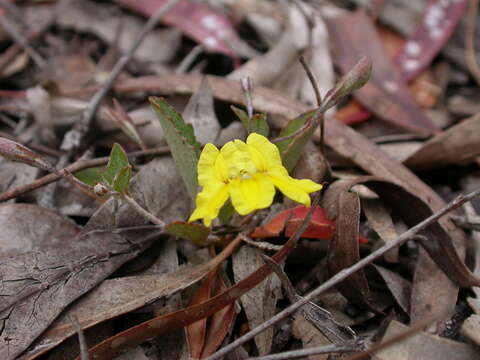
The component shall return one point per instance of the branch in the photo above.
(342, 275)
(76, 166)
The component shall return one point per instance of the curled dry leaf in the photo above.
(205, 336)
(344, 252)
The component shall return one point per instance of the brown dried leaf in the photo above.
(38, 285)
(400, 288)
(201, 114)
(380, 220)
(386, 94)
(344, 252)
(260, 302)
(113, 298)
(28, 227)
(423, 346)
(459, 145)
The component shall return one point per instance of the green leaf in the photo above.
(242, 116)
(196, 233)
(181, 139)
(90, 176)
(291, 149)
(258, 124)
(122, 180)
(226, 212)
(117, 161)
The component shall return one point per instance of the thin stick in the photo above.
(294, 354)
(470, 55)
(342, 275)
(72, 168)
(81, 337)
(74, 137)
(321, 119)
(141, 211)
(22, 41)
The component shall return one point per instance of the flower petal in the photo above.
(297, 190)
(206, 165)
(237, 157)
(251, 194)
(264, 154)
(209, 203)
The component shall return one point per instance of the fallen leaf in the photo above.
(198, 21)
(423, 346)
(28, 227)
(400, 288)
(355, 36)
(200, 112)
(260, 302)
(458, 145)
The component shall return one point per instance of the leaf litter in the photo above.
(102, 259)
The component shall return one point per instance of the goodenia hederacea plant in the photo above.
(247, 173)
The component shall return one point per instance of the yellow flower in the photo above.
(247, 173)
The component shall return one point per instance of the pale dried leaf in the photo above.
(423, 346)
(260, 302)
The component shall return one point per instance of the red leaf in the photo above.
(196, 20)
(320, 226)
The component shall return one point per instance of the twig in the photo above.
(262, 245)
(342, 275)
(325, 349)
(22, 41)
(74, 137)
(247, 88)
(305, 126)
(189, 59)
(141, 211)
(81, 337)
(76, 166)
(470, 55)
(321, 118)
(312, 80)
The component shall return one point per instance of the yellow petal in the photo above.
(297, 190)
(263, 152)
(209, 203)
(206, 165)
(237, 157)
(251, 194)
